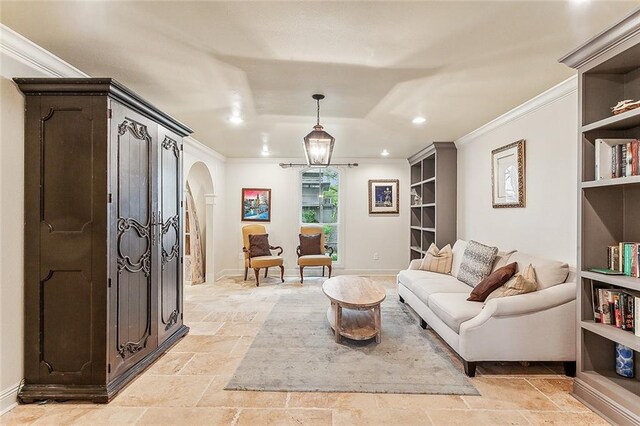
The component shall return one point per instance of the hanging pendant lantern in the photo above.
(318, 145)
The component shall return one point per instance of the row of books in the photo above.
(617, 158)
(618, 308)
(624, 258)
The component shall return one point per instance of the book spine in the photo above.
(623, 160)
(619, 160)
(637, 260)
(612, 308)
(629, 160)
(623, 311)
(615, 257)
(627, 259)
(609, 257)
(605, 314)
(621, 257)
(636, 315)
(634, 157)
(628, 312)
(597, 315)
(613, 161)
(616, 304)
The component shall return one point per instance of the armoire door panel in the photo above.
(134, 237)
(170, 197)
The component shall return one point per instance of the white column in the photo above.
(209, 200)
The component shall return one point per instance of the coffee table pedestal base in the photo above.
(355, 324)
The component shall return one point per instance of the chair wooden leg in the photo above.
(329, 271)
(246, 270)
(266, 271)
(282, 273)
(301, 274)
(257, 271)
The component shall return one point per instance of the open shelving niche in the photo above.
(433, 176)
(608, 212)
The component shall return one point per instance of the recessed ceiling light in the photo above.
(384, 153)
(236, 119)
(418, 120)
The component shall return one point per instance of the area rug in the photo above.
(295, 351)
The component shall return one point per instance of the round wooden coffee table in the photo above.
(355, 307)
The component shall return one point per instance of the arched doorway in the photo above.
(201, 185)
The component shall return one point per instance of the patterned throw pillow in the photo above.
(437, 260)
(477, 262)
(259, 245)
(520, 283)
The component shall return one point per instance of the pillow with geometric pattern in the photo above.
(477, 262)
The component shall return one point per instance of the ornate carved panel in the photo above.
(173, 223)
(143, 262)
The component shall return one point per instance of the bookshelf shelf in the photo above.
(613, 333)
(630, 283)
(630, 180)
(626, 120)
(608, 72)
(433, 177)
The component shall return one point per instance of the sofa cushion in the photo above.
(437, 260)
(502, 259)
(458, 251)
(548, 272)
(453, 308)
(408, 276)
(496, 279)
(477, 262)
(422, 289)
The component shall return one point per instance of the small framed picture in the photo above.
(384, 196)
(256, 204)
(508, 175)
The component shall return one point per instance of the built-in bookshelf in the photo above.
(608, 212)
(433, 178)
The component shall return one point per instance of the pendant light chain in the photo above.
(318, 121)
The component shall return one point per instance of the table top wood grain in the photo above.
(354, 292)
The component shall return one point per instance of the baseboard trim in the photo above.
(308, 272)
(602, 405)
(9, 398)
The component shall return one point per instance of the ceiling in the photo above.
(459, 64)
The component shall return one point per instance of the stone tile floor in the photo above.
(186, 386)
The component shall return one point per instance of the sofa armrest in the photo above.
(415, 264)
(523, 304)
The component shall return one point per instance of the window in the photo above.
(320, 199)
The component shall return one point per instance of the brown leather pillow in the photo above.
(310, 244)
(495, 280)
(259, 245)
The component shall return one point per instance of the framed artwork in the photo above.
(508, 175)
(256, 205)
(384, 196)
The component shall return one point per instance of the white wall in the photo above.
(18, 58)
(362, 234)
(547, 226)
(211, 214)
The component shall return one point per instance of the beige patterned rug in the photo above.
(295, 351)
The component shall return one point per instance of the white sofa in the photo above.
(538, 326)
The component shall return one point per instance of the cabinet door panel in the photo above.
(133, 291)
(170, 233)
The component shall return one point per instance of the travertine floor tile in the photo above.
(164, 391)
(507, 394)
(203, 327)
(239, 329)
(161, 416)
(332, 400)
(476, 417)
(408, 401)
(311, 417)
(105, 415)
(222, 345)
(381, 417)
(208, 364)
(559, 391)
(170, 363)
(247, 399)
(563, 418)
(23, 415)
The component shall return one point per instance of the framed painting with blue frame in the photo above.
(256, 205)
(384, 196)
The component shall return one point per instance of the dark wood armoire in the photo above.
(103, 237)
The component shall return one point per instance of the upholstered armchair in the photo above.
(259, 255)
(308, 254)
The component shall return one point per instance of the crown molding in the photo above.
(557, 92)
(23, 50)
(604, 41)
(196, 147)
(300, 160)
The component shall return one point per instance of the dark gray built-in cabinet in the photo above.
(608, 213)
(434, 178)
(103, 258)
